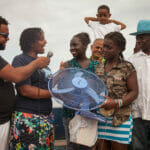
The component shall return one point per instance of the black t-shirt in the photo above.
(7, 96)
(38, 79)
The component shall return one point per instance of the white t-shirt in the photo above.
(141, 106)
(100, 30)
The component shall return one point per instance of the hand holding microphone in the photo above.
(49, 54)
(41, 62)
(48, 70)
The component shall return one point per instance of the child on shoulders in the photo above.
(102, 24)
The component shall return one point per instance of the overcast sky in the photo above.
(61, 19)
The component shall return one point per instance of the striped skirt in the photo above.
(121, 134)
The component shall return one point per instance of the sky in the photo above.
(61, 19)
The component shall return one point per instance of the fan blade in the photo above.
(93, 94)
(92, 115)
(62, 91)
(84, 105)
(78, 74)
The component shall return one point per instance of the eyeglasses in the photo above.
(5, 35)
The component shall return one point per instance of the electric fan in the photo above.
(78, 89)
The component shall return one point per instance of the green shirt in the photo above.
(74, 64)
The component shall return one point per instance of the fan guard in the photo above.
(77, 89)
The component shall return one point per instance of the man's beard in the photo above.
(2, 47)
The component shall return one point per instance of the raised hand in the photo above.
(61, 65)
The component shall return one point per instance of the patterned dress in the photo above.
(31, 132)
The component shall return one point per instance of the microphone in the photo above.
(49, 54)
(47, 70)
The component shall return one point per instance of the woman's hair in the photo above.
(84, 38)
(118, 39)
(28, 37)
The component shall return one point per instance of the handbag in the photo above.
(83, 130)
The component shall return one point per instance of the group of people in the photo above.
(26, 119)
(118, 75)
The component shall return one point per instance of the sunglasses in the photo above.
(5, 35)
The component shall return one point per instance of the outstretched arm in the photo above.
(18, 74)
(87, 19)
(123, 26)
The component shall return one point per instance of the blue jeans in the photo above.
(140, 134)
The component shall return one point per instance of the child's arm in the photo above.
(87, 19)
(123, 26)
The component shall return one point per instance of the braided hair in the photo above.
(84, 38)
(118, 39)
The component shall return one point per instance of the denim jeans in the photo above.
(140, 134)
(70, 145)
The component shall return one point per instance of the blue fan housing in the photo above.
(77, 89)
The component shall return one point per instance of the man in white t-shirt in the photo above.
(141, 106)
(102, 25)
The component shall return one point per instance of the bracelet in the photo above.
(119, 103)
(38, 93)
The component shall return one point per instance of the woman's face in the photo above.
(110, 50)
(77, 49)
(39, 45)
